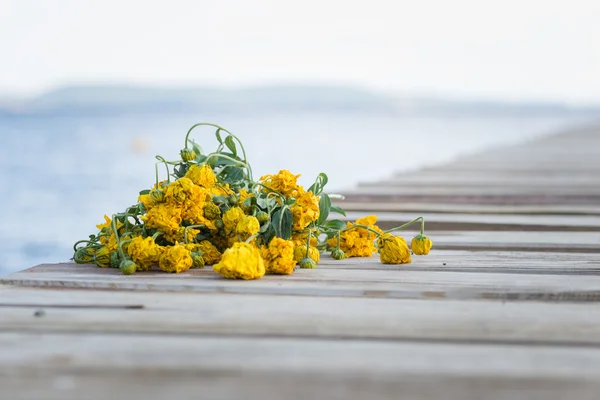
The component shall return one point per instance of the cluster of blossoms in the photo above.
(210, 211)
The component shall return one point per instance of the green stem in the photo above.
(85, 241)
(114, 228)
(339, 240)
(156, 173)
(308, 243)
(161, 159)
(157, 234)
(190, 227)
(407, 224)
(251, 238)
(248, 168)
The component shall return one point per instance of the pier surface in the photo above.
(504, 307)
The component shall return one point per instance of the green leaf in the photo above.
(219, 199)
(319, 184)
(230, 143)
(324, 206)
(144, 192)
(249, 202)
(218, 135)
(231, 174)
(335, 224)
(217, 161)
(197, 149)
(265, 227)
(282, 223)
(337, 209)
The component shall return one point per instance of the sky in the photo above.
(508, 50)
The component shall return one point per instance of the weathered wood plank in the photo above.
(437, 260)
(548, 209)
(62, 310)
(156, 367)
(392, 283)
(436, 221)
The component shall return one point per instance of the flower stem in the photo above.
(407, 224)
(308, 243)
(248, 168)
(161, 159)
(114, 228)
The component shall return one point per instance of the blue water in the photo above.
(61, 174)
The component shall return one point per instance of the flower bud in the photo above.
(157, 196)
(233, 200)
(338, 254)
(187, 154)
(115, 260)
(219, 224)
(307, 262)
(128, 267)
(198, 260)
(262, 217)
(84, 255)
(102, 257)
(420, 245)
(212, 211)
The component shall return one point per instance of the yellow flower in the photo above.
(144, 252)
(164, 217)
(283, 182)
(175, 259)
(107, 223)
(358, 242)
(421, 245)
(393, 250)
(221, 190)
(279, 257)
(241, 261)
(231, 218)
(146, 201)
(247, 227)
(305, 210)
(301, 238)
(202, 176)
(180, 190)
(209, 252)
(102, 257)
(313, 253)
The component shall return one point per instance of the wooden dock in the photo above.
(505, 306)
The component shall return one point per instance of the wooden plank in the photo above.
(392, 283)
(156, 367)
(437, 260)
(472, 222)
(455, 190)
(378, 207)
(486, 180)
(78, 311)
(517, 241)
(478, 198)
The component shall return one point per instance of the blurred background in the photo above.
(91, 91)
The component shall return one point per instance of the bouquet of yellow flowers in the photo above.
(211, 211)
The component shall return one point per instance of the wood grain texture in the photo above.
(153, 367)
(260, 315)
